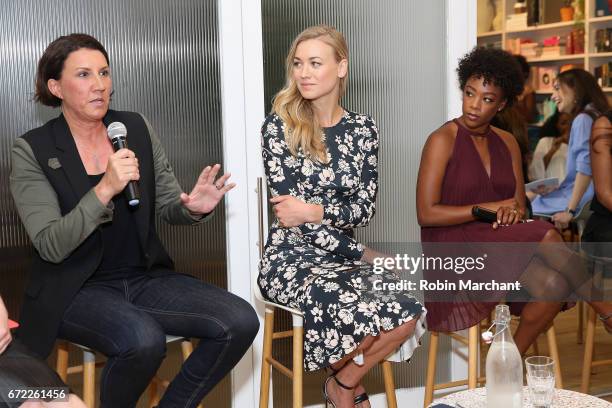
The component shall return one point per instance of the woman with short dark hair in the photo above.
(101, 277)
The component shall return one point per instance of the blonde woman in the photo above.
(321, 166)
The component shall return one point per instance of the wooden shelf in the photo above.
(600, 55)
(568, 57)
(543, 27)
(600, 19)
(489, 34)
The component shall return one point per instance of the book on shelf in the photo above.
(603, 40)
(530, 50)
(603, 8)
(603, 74)
(535, 12)
(555, 51)
(516, 21)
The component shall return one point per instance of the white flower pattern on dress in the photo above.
(316, 267)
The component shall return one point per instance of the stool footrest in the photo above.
(281, 368)
(598, 363)
(282, 335)
(457, 383)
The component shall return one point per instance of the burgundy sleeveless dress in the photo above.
(466, 182)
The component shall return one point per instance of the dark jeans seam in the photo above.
(109, 365)
(184, 314)
(228, 340)
(212, 369)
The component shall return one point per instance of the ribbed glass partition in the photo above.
(164, 61)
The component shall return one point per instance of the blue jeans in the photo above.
(127, 320)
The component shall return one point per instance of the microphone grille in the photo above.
(116, 129)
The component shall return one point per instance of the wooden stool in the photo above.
(297, 333)
(600, 266)
(296, 375)
(589, 362)
(88, 368)
(156, 382)
(472, 380)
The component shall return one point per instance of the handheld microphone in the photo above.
(117, 133)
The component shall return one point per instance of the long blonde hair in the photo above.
(302, 126)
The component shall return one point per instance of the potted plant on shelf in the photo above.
(567, 11)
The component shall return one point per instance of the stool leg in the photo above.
(153, 392)
(580, 331)
(389, 384)
(186, 348)
(298, 359)
(266, 367)
(554, 354)
(588, 351)
(431, 367)
(536, 347)
(473, 357)
(62, 360)
(89, 378)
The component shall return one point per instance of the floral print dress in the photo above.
(316, 268)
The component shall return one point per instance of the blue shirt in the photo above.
(578, 161)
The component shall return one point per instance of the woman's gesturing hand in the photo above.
(122, 168)
(208, 191)
(291, 211)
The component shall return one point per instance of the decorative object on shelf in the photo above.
(575, 41)
(603, 40)
(567, 11)
(516, 21)
(535, 12)
(486, 12)
(520, 7)
(603, 8)
(553, 47)
(603, 74)
(578, 11)
(546, 77)
(498, 21)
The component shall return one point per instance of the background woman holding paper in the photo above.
(576, 93)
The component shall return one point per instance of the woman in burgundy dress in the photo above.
(467, 163)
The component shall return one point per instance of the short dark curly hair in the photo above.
(495, 66)
(51, 64)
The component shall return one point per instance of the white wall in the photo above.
(243, 111)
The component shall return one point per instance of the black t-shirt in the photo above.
(122, 253)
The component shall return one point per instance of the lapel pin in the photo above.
(54, 163)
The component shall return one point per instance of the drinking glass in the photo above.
(541, 380)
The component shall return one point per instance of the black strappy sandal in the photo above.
(604, 319)
(327, 399)
(363, 397)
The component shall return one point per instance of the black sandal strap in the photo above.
(361, 398)
(346, 387)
